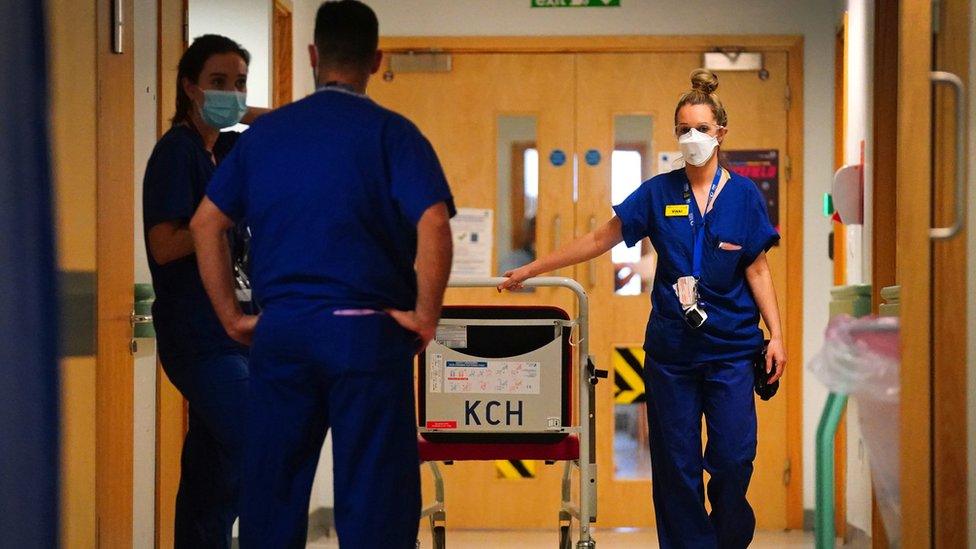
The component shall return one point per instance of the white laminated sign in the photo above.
(491, 377)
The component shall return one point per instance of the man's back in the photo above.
(332, 188)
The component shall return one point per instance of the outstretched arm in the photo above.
(582, 249)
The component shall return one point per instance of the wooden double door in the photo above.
(549, 141)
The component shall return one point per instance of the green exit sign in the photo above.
(575, 3)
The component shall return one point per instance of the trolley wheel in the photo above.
(440, 537)
(565, 537)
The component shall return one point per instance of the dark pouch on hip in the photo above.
(764, 389)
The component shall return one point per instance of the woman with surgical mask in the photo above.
(205, 363)
(711, 231)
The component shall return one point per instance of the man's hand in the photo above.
(424, 328)
(433, 265)
(209, 228)
(242, 328)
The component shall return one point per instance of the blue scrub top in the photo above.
(174, 184)
(332, 187)
(738, 218)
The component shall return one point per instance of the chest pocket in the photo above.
(721, 258)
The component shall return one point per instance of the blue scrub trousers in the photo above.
(677, 397)
(350, 374)
(215, 385)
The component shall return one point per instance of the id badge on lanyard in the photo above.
(686, 287)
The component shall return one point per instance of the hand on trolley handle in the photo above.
(515, 278)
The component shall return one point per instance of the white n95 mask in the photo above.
(697, 147)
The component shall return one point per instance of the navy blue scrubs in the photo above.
(332, 187)
(707, 371)
(207, 367)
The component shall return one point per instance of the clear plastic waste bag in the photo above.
(861, 358)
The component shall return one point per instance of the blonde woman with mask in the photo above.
(711, 231)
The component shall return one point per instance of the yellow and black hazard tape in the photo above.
(515, 468)
(628, 378)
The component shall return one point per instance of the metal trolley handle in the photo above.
(587, 377)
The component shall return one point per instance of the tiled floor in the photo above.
(611, 539)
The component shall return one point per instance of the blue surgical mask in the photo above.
(223, 109)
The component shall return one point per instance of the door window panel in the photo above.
(518, 191)
(630, 164)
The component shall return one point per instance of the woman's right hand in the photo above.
(515, 278)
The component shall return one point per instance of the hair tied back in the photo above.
(704, 81)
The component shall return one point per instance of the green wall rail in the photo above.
(855, 301)
(824, 531)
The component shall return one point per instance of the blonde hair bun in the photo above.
(704, 81)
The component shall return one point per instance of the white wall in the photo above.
(860, 61)
(814, 19)
(144, 363)
(303, 31)
(249, 23)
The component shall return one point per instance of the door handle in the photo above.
(946, 233)
(118, 26)
(136, 320)
(591, 265)
(141, 318)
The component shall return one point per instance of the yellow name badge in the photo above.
(676, 210)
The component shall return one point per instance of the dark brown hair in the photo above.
(191, 65)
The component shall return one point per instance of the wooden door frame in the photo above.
(949, 270)
(933, 471)
(793, 46)
(115, 142)
(841, 81)
(914, 270)
(171, 407)
(73, 125)
(884, 163)
(282, 28)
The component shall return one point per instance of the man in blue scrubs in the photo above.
(350, 254)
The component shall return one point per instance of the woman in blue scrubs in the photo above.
(207, 366)
(711, 231)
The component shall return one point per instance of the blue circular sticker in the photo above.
(592, 157)
(557, 157)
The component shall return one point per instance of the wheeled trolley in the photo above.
(497, 384)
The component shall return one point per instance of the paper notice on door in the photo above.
(473, 231)
(492, 377)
